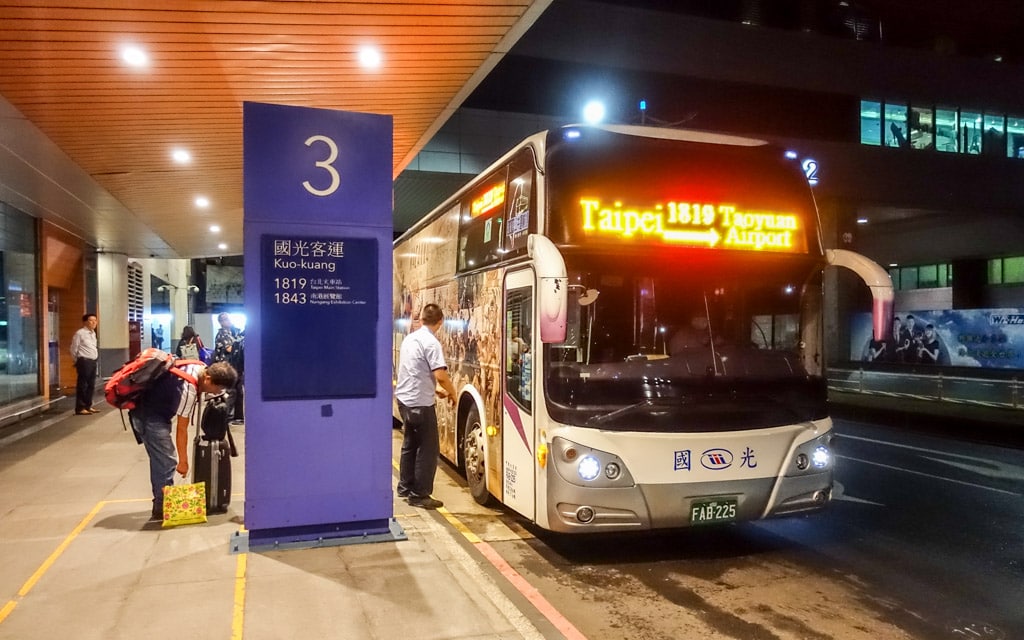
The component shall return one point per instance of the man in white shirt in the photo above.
(421, 367)
(85, 354)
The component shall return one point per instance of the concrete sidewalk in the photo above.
(80, 560)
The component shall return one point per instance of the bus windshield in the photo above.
(657, 343)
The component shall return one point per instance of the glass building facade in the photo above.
(944, 128)
(20, 321)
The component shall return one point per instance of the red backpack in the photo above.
(131, 381)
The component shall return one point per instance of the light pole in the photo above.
(189, 290)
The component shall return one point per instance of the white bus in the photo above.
(634, 328)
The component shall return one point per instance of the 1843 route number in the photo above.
(289, 298)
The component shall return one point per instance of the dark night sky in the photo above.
(980, 28)
(558, 88)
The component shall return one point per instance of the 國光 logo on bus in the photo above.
(694, 223)
(716, 459)
(682, 460)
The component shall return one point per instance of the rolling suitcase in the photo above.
(211, 454)
(211, 461)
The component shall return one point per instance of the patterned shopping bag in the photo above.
(184, 504)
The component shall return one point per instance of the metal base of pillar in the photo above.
(309, 538)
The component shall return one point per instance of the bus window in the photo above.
(518, 356)
(521, 211)
(498, 216)
(483, 223)
(775, 331)
(667, 339)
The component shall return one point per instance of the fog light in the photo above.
(801, 461)
(821, 457)
(585, 514)
(612, 470)
(588, 468)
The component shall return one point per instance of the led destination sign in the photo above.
(698, 224)
(493, 197)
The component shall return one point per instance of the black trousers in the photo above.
(85, 386)
(420, 449)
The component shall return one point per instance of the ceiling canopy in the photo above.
(99, 95)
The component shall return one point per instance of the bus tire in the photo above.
(474, 460)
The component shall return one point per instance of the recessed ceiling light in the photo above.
(202, 201)
(181, 156)
(222, 246)
(134, 56)
(214, 228)
(369, 57)
(862, 220)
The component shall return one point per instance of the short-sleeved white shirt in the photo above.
(189, 392)
(419, 357)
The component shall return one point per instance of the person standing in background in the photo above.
(190, 346)
(227, 348)
(85, 354)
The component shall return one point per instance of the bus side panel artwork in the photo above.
(423, 272)
(469, 338)
(424, 261)
(473, 350)
(429, 256)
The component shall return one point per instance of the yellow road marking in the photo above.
(8, 608)
(518, 582)
(459, 526)
(238, 615)
(31, 582)
(43, 568)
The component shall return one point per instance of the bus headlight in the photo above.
(586, 467)
(821, 457)
(814, 456)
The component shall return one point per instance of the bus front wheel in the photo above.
(473, 457)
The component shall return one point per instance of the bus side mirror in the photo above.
(552, 287)
(878, 281)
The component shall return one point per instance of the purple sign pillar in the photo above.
(318, 233)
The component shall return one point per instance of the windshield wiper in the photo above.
(643, 404)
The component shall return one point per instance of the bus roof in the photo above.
(687, 135)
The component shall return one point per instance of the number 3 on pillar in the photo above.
(325, 165)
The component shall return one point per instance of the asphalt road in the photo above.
(924, 541)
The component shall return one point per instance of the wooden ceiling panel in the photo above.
(60, 68)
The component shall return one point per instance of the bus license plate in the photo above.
(713, 510)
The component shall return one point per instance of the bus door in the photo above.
(518, 442)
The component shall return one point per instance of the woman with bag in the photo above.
(190, 346)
